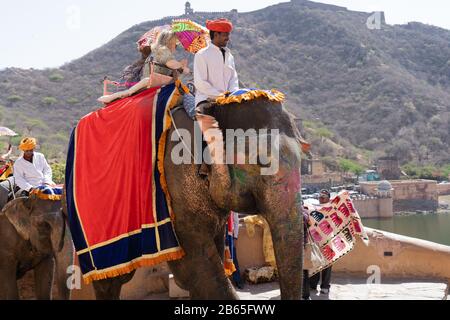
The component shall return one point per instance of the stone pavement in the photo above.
(345, 287)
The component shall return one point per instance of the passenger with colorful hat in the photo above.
(31, 169)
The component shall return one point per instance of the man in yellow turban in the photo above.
(31, 169)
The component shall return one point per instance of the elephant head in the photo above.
(39, 221)
(276, 194)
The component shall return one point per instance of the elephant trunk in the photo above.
(287, 237)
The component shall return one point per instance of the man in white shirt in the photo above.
(214, 74)
(214, 69)
(31, 169)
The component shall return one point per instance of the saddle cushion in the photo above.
(47, 192)
(249, 94)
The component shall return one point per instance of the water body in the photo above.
(431, 226)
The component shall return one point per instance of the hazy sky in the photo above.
(48, 33)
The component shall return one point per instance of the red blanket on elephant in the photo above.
(118, 213)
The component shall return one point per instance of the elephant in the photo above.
(202, 204)
(7, 188)
(34, 237)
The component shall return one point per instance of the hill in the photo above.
(377, 92)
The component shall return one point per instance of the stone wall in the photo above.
(250, 248)
(394, 255)
(397, 256)
(415, 205)
(443, 189)
(321, 180)
(373, 207)
(409, 195)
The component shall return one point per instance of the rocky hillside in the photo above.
(375, 92)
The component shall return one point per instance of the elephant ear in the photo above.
(18, 213)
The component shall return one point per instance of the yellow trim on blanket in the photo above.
(154, 160)
(162, 150)
(250, 95)
(124, 235)
(167, 122)
(43, 196)
(143, 261)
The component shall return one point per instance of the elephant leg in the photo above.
(43, 279)
(8, 281)
(109, 289)
(201, 272)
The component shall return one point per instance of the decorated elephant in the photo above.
(7, 187)
(34, 236)
(202, 204)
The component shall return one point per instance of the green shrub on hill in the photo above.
(56, 77)
(348, 165)
(433, 172)
(49, 101)
(58, 171)
(72, 101)
(14, 98)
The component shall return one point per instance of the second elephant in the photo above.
(34, 236)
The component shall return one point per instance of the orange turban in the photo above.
(27, 143)
(219, 25)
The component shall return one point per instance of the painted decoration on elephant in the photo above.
(333, 227)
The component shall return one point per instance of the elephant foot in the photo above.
(203, 276)
(109, 289)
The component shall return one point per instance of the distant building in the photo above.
(408, 195)
(389, 168)
(187, 8)
(312, 167)
(315, 175)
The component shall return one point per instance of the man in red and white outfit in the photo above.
(214, 69)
